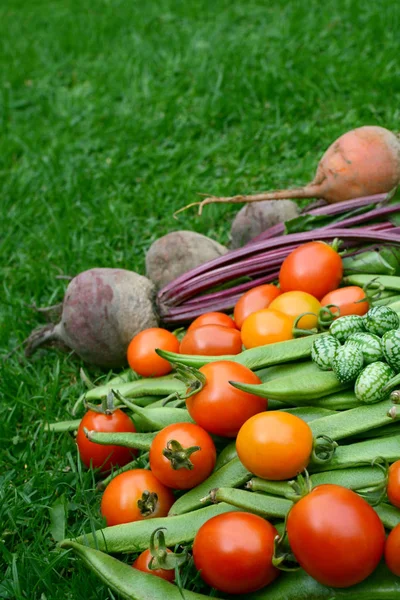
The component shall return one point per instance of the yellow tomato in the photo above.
(294, 304)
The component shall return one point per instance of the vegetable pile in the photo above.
(254, 451)
(257, 449)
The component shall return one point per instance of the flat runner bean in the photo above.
(135, 537)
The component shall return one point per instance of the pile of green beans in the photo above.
(291, 383)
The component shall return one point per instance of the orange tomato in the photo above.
(142, 357)
(294, 304)
(275, 445)
(255, 299)
(348, 300)
(314, 267)
(266, 327)
(213, 318)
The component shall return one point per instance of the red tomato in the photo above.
(211, 340)
(348, 300)
(294, 304)
(335, 535)
(173, 469)
(233, 552)
(142, 357)
(213, 318)
(393, 486)
(266, 327)
(133, 496)
(392, 550)
(220, 408)
(275, 445)
(142, 564)
(104, 457)
(255, 299)
(313, 267)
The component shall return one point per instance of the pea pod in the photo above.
(349, 422)
(140, 441)
(226, 455)
(128, 583)
(309, 413)
(297, 388)
(134, 537)
(388, 514)
(338, 401)
(297, 585)
(353, 455)
(233, 474)
(253, 358)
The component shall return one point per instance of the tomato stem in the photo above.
(147, 503)
(179, 456)
(160, 557)
(326, 315)
(192, 378)
(281, 559)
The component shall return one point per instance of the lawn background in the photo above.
(113, 114)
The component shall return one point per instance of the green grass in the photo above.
(113, 114)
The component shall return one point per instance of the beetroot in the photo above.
(103, 310)
(361, 162)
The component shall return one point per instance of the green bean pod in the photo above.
(135, 537)
(233, 474)
(253, 358)
(388, 514)
(128, 583)
(226, 455)
(309, 413)
(299, 387)
(389, 282)
(297, 585)
(355, 478)
(140, 441)
(268, 507)
(349, 422)
(156, 386)
(366, 452)
(157, 418)
(340, 401)
(62, 426)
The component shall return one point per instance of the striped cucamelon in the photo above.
(380, 319)
(347, 363)
(323, 350)
(371, 381)
(369, 344)
(343, 327)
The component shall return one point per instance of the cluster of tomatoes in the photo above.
(334, 534)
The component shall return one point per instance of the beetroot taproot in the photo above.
(103, 309)
(361, 162)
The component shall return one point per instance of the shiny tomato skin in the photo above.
(220, 408)
(119, 503)
(104, 457)
(266, 326)
(275, 445)
(203, 460)
(348, 300)
(233, 552)
(335, 535)
(294, 304)
(253, 300)
(141, 354)
(393, 485)
(213, 318)
(142, 564)
(392, 550)
(211, 340)
(313, 267)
